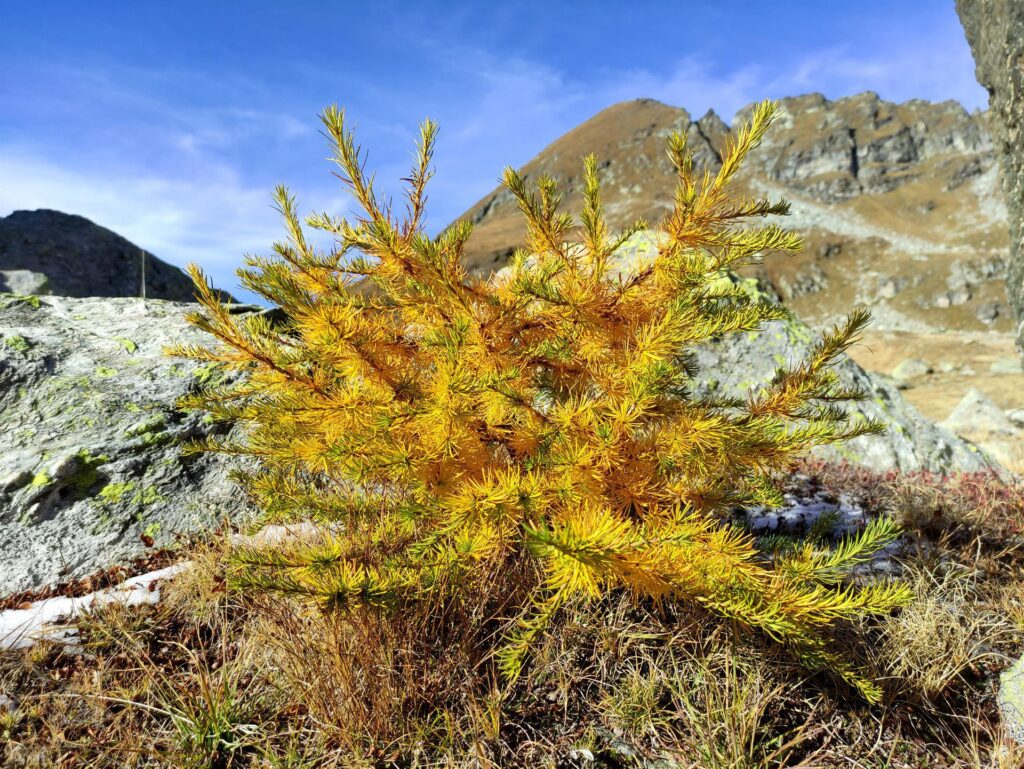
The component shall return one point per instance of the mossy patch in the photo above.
(105, 371)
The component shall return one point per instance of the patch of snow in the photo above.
(49, 619)
(22, 628)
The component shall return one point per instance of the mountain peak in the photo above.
(898, 189)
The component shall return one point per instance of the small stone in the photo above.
(763, 522)
(988, 312)
(911, 369)
(960, 295)
(888, 289)
(976, 415)
(946, 367)
(830, 250)
(1011, 699)
(23, 282)
(942, 300)
(1016, 416)
(1007, 366)
(8, 704)
(14, 480)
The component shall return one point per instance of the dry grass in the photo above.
(949, 632)
(214, 679)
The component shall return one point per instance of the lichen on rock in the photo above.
(92, 453)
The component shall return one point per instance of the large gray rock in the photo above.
(89, 461)
(24, 283)
(911, 442)
(995, 31)
(982, 422)
(738, 362)
(79, 258)
(1011, 700)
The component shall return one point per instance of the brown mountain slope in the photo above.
(898, 202)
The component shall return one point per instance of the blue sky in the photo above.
(170, 123)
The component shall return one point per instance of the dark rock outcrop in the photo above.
(50, 252)
(995, 31)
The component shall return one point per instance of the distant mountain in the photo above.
(899, 203)
(50, 252)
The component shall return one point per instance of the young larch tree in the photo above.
(437, 423)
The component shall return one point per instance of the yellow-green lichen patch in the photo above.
(127, 344)
(152, 425)
(86, 474)
(40, 480)
(105, 371)
(113, 493)
(157, 439)
(17, 343)
(148, 496)
(12, 299)
(211, 374)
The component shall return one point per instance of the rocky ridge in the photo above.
(50, 252)
(899, 203)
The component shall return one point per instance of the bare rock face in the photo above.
(995, 31)
(50, 252)
(861, 145)
(90, 462)
(981, 421)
